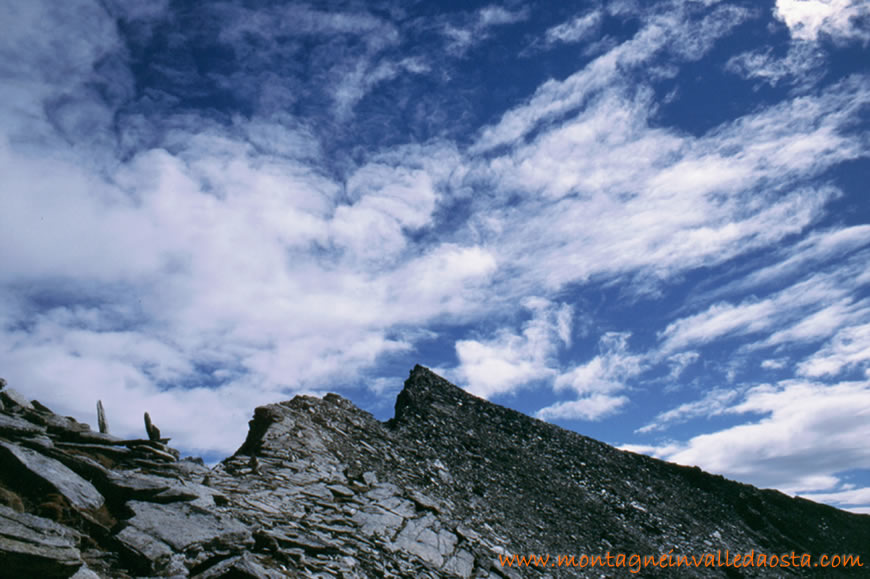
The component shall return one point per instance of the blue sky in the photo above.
(648, 222)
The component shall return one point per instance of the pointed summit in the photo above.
(426, 393)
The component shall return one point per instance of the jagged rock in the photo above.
(79, 492)
(101, 418)
(32, 546)
(320, 488)
(37, 405)
(15, 399)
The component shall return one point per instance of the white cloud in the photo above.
(777, 364)
(509, 360)
(575, 30)
(496, 16)
(597, 382)
(476, 29)
(799, 312)
(714, 403)
(355, 65)
(809, 432)
(850, 347)
(387, 202)
(592, 407)
(801, 65)
(679, 363)
(811, 253)
(821, 323)
(672, 31)
(358, 82)
(804, 62)
(845, 498)
(607, 166)
(809, 19)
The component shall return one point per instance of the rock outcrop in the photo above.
(447, 488)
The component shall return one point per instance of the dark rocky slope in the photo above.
(322, 489)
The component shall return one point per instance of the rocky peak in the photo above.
(320, 488)
(426, 393)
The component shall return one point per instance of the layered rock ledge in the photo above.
(321, 488)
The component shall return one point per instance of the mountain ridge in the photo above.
(448, 487)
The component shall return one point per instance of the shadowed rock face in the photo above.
(321, 488)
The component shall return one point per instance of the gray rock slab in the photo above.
(89, 436)
(15, 425)
(382, 491)
(462, 564)
(181, 525)
(309, 544)
(340, 490)
(374, 519)
(83, 465)
(112, 451)
(64, 427)
(425, 502)
(318, 490)
(32, 546)
(421, 538)
(151, 553)
(197, 494)
(305, 477)
(138, 485)
(79, 492)
(402, 507)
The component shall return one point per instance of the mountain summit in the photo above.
(452, 486)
